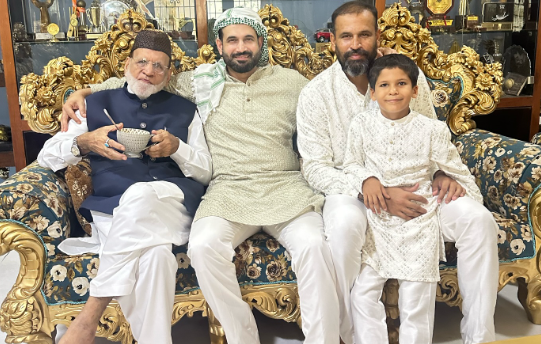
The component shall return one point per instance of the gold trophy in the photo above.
(464, 19)
(44, 14)
(95, 16)
(438, 10)
(53, 30)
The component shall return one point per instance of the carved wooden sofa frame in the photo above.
(26, 317)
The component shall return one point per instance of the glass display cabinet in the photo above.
(500, 31)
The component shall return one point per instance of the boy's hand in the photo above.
(443, 185)
(374, 195)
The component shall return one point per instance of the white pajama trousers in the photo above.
(211, 250)
(137, 266)
(417, 301)
(465, 222)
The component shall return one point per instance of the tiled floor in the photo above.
(511, 321)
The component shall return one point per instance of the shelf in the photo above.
(512, 102)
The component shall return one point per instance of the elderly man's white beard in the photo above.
(142, 89)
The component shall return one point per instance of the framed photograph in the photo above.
(498, 15)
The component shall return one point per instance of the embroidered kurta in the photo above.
(325, 110)
(256, 177)
(401, 153)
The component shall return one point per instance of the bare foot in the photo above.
(79, 332)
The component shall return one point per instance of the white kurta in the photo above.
(325, 109)
(401, 153)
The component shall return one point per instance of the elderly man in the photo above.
(140, 207)
(248, 111)
(325, 110)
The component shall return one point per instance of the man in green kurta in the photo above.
(248, 108)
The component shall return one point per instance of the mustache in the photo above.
(244, 53)
(358, 51)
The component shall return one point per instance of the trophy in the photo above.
(498, 15)
(81, 11)
(438, 10)
(44, 14)
(95, 16)
(416, 9)
(464, 18)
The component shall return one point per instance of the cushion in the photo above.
(79, 180)
(444, 94)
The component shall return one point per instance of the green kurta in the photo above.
(256, 177)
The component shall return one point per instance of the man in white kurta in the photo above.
(248, 111)
(134, 242)
(325, 110)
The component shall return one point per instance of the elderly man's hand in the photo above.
(164, 145)
(76, 101)
(385, 51)
(95, 141)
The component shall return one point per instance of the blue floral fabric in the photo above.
(506, 171)
(444, 94)
(38, 198)
(258, 260)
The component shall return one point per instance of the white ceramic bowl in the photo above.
(134, 140)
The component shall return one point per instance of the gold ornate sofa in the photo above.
(37, 211)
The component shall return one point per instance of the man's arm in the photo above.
(193, 157)
(56, 152)
(179, 84)
(315, 147)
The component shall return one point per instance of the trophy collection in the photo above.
(77, 20)
(496, 29)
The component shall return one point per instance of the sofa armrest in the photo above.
(38, 198)
(506, 170)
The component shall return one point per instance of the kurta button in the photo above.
(391, 142)
(144, 105)
(155, 178)
(392, 124)
(152, 159)
(248, 99)
(143, 125)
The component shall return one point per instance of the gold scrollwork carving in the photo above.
(277, 301)
(289, 47)
(22, 315)
(481, 82)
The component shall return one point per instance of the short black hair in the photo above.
(393, 61)
(354, 7)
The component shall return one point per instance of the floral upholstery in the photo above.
(507, 172)
(258, 260)
(444, 95)
(38, 198)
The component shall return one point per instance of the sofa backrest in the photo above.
(462, 86)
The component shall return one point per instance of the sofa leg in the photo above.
(529, 295)
(217, 334)
(23, 314)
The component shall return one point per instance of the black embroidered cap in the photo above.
(153, 40)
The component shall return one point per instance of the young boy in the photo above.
(388, 147)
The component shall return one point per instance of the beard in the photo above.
(354, 68)
(142, 89)
(244, 67)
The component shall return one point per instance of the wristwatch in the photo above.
(75, 148)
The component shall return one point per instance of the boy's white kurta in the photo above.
(401, 153)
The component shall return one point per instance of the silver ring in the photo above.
(107, 143)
